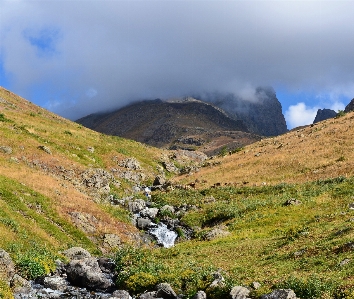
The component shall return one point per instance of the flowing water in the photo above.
(164, 236)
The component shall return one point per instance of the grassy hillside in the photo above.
(315, 152)
(43, 160)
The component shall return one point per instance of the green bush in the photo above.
(310, 288)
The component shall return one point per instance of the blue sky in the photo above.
(79, 57)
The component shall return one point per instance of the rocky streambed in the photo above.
(88, 277)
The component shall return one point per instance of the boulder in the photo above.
(165, 291)
(292, 202)
(87, 273)
(280, 294)
(159, 180)
(55, 283)
(106, 265)
(130, 163)
(148, 295)
(5, 149)
(143, 223)
(136, 206)
(121, 294)
(149, 212)
(84, 221)
(76, 253)
(199, 295)
(239, 292)
(19, 284)
(7, 266)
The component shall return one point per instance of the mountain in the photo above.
(262, 112)
(323, 114)
(176, 124)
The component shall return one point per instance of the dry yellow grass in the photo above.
(315, 152)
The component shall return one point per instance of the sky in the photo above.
(76, 57)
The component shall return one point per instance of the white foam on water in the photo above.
(164, 236)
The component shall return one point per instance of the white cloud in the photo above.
(299, 115)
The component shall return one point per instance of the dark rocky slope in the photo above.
(323, 114)
(180, 124)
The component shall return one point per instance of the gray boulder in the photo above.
(200, 295)
(148, 295)
(149, 212)
(121, 294)
(136, 206)
(45, 149)
(55, 283)
(239, 292)
(167, 208)
(143, 223)
(280, 294)
(7, 266)
(19, 284)
(165, 291)
(5, 149)
(76, 253)
(159, 180)
(87, 273)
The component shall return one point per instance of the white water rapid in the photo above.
(163, 235)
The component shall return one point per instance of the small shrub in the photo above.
(140, 282)
(340, 113)
(68, 133)
(3, 118)
(311, 288)
(5, 290)
(223, 152)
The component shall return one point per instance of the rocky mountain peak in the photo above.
(323, 114)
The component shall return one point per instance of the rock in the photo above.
(55, 283)
(199, 295)
(106, 265)
(349, 107)
(143, 223)
(111, 241)
(148, 295)
(76, 253)
(91, 149)
(87, 273)
(136, 206)
(292, 202)
(323, 114)
(84, 221)
(351, 206)
(218, 280)
(159, 180)
(149, 212)
(45, 149)
(5, 149)
(19, 284)
(97, 179)
(121, 294)
(7, 266)
(280, 294)
(216, 233)
(165, 291)
(239, 292)
(344, 262)
(130, 163)
(170, 167)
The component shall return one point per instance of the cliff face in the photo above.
(323, 114)
(263, 114)
(349, 107)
